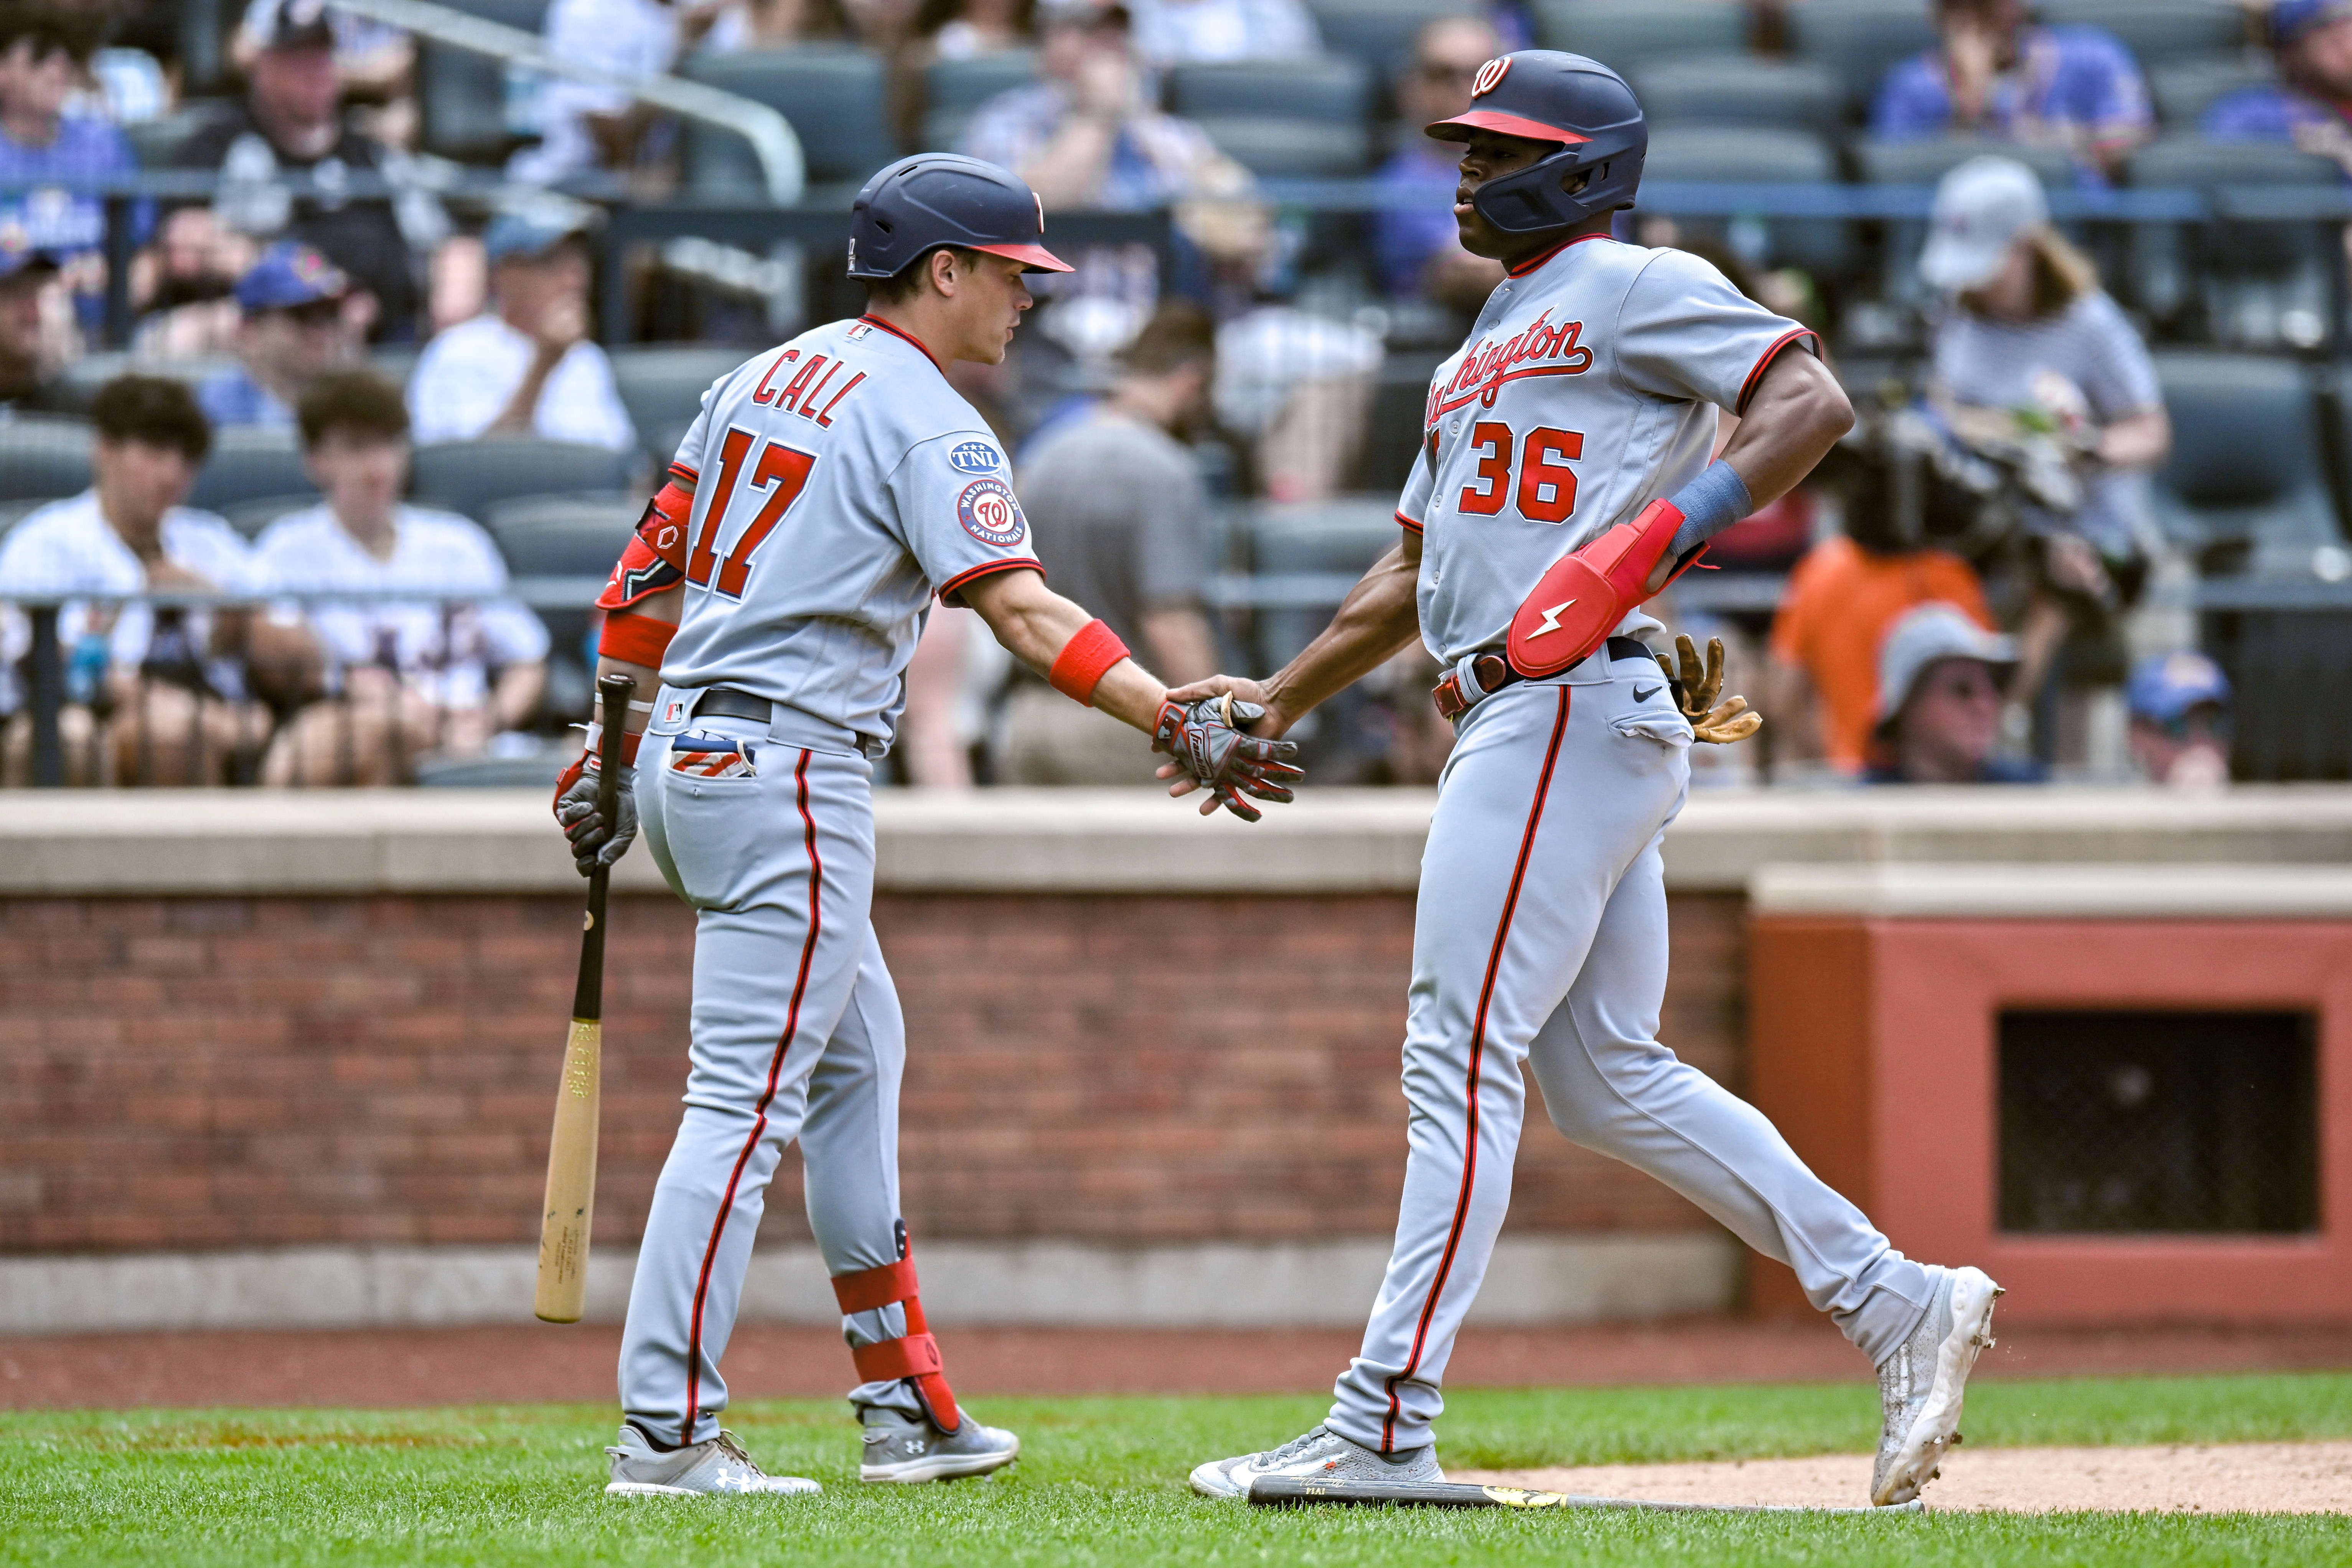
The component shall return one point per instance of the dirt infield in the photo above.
(2268, 1478)
(532, 1363)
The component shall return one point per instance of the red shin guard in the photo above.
(1579, 601)
(915, 1355)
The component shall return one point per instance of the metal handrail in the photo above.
(773, 138)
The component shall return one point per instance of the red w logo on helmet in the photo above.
(1490, 76)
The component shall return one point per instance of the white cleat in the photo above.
(716, 1467)
(1920, 1386)
(1321, 1455)
(903, 1448)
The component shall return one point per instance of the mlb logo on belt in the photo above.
(711, 757)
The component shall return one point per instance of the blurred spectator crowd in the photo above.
(370, 359)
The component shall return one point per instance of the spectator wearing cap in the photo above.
(525, 366)
(1994, 73)
(43, 50)
(440, 674)
(35, 341)
(1939, 698)
(157, 694)
(2309, 104)
(296, 321)
(2180, 708)
(1088, 134)
(1178, 32)
(2026, 343)
(1418, 246)
(291, 122)
(585, 126)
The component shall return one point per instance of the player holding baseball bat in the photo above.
(571, 1203)
(833, 486)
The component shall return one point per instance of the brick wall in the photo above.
(182, 1074)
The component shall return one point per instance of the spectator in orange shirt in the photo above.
(1842, 599)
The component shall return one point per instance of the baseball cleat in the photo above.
(1920, 1385)
(1321, 1455)
(903, 1448)
(719, 1467)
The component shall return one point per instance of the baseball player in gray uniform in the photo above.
(1565, 478)
(766, 609)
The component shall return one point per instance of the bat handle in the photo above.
(613, 694)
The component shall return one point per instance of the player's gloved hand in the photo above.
(1208, 740)
(593, 841)
(1696, 689)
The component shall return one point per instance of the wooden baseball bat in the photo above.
(571, 1203)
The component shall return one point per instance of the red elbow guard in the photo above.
(640, 641)
(913, 1355)
(1084, 660)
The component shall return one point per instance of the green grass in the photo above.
(1102, 1482)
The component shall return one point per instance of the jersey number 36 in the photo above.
(779, 466)
(1547, 488)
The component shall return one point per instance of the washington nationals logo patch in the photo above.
(973, 458)
(1490, 76)
(990, 514)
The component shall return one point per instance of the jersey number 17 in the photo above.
(780, 466)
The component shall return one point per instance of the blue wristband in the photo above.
(1709, 504)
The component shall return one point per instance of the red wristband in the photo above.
(1084, 660)
(640, 641)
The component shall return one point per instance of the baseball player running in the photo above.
(766, 610)
(1565, 479)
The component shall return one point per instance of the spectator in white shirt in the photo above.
(155, 694)
(526, 366)
(588, 126)
(1180, 32)
(403, 679)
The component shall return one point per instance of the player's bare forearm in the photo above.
(1797, 414)
(1376, 621)
(666, 607)
(1035, 623)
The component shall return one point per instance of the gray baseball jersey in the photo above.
(839, 483)
(1587, 390)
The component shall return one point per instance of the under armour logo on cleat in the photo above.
(1550, 620)
(1642, 696)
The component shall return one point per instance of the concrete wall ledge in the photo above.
(1533, 1280)
(2056, 892)
(1334, 841)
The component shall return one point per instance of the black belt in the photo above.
(726, 702)
(1494, 672)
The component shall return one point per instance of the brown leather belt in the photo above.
(1492, 673)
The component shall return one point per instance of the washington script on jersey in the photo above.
(1483, 370)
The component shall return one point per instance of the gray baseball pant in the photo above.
(1540, 937)
(797, 1034)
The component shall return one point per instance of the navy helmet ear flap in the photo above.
(1538, 198)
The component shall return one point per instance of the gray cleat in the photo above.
(1920, 1386)
(903, 1448)
(1321, 1455)
(718, 1466)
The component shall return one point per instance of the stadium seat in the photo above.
(394, 361)
(1392, 429)
(2185, 89)
(1924, 162)
(251, 518)
(1334, 89)
(662, 385)
(2291, 714)
(835, 96)
(563, 536)
(953, 90)
(1379, 33)
(472, 477)
(538, 770)
(1624, 34)
(1858, 40)
(2157, 31)
(2244, 488)
(461, 98)
(154, 142)
(1730, 155)
(248, 464)
(81, 380)
(43, 457)
(1281, 147)
(1340, 538)
(2245, 284)
(1738, 89)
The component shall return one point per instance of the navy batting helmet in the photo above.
(920, 204)
(1546, 96)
